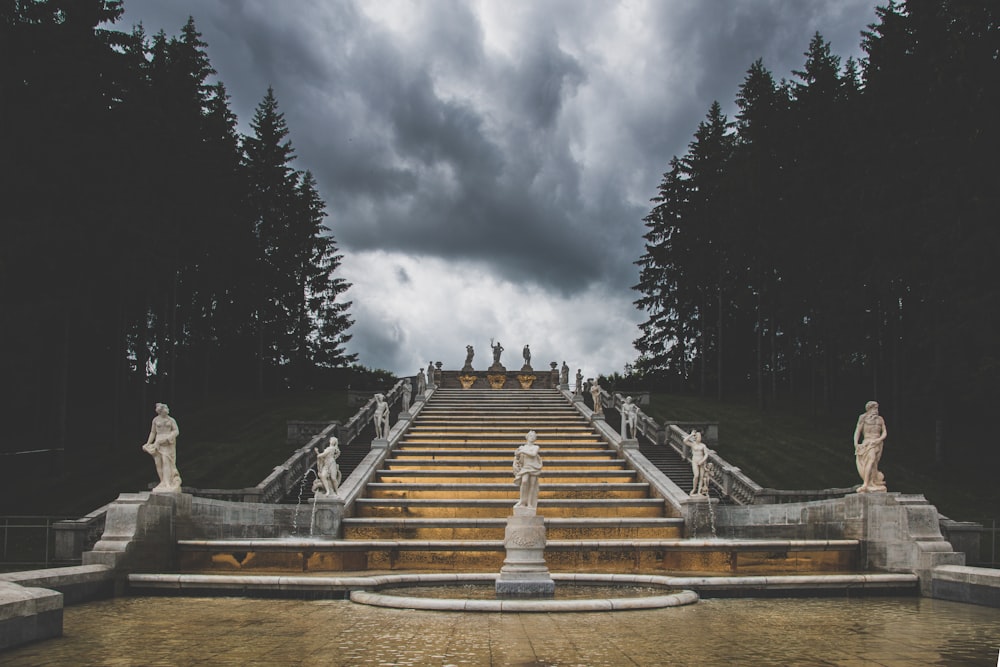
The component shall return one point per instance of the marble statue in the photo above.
(328, 472)
(404, 399)
(162, 446)
(497, 349)
(595, 392)
(430, 372)
(421, 383)
(470, 352)
(872, 431)
(527, 469)
(699, 460)
(381, 417)
(578, 390)
(564, 374)
(526, 353)
(630, 415)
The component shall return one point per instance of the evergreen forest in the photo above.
(838, 240)
(150, 251)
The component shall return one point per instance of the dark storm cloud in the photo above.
(524, 138)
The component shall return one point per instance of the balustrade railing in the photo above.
(74, 536)
(285, 478)
(727, 478)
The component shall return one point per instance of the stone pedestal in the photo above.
(380, 443)
(524, 573)
(597, 417)
(327, 515)
(630, 443)
(404, 416)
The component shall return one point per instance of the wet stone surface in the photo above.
(236, 631)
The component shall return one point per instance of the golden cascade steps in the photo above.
(441, 498)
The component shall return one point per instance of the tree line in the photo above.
(150, 251)
(839, 238)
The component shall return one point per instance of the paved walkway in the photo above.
(247, 632)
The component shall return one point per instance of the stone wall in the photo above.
(898, 532)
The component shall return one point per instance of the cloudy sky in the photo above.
(486, 164)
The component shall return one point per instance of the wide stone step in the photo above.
(725, 557)
(541, 430)
(500, 476)
(340, 585)
(490, 507)
(592, 528)
(502, 464)
(509, 491)
(409, 454)
(547, 446)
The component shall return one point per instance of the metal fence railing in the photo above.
(27, 542)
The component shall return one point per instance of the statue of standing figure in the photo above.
(526, 353)
(578, 390)
(162, 446)
(327, 470)
(404, 399)
(595, 393)
(630, 415)
(497, 350)
(699, 463)
(872, 431)
(421, 383)
(381, 417)
(527, 469)
(470, 352)
(564, 375)
(430, 372)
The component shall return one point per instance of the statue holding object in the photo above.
(327, 470)
(527, 469)
(872, 431)
(162, 446)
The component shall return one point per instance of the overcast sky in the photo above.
(487, 164)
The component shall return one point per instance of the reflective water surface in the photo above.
(238, 631)
(563, 591)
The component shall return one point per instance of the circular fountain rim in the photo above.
(378, 599)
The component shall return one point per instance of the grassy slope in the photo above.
(236, 443)
(223, 444)
(783, 448)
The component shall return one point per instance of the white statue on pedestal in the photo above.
(578, 390)
(404, 400)
(871, 428)
(327, 470)
(564, 374)
(162, 446)
(527, 468)
(699, 461)
(595, 392)
(630, 415)
(421, 383)
(381, 417)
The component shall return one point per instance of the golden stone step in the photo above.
(386, 490)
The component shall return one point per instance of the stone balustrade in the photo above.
(727, 478)
(73, 537)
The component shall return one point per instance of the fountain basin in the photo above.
(669, 597)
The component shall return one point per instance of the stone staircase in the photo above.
(450, 476)
(441, 498)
